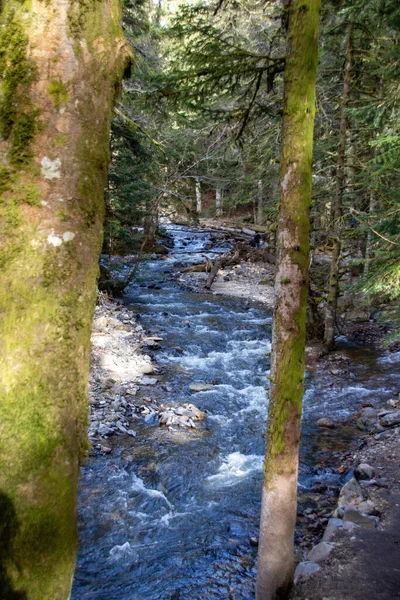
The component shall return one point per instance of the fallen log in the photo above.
(224, 261)
(201, 268)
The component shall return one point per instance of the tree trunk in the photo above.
(218, 202)
(368, 241)
(278, 510)
(61, 62)
(198, 195)
(333, 291)
(260, 202)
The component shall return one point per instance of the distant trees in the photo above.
(61, 65)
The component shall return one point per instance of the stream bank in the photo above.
(170, 510)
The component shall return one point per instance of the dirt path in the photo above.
(365, 563)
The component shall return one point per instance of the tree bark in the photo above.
(198, 195)
(333, 290)
(260, 202)
(218, 202)
(61, 63)
(279, 494)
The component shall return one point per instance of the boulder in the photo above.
(331, 529)
(320, 552)
(350, 494)
(367, 508)
(353, 515)
(305, 570)
(349, 526)
(391, 419)
(367, 419)
(364, 471)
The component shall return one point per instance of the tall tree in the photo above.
(61, 63)
(279, 495)
(333, 293)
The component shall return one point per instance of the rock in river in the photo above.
(326, 422)
(200, 387)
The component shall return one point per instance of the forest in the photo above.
(199, 299)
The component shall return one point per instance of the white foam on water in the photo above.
(236, 350)
(221, 419)
(393, 357)
(256, 398)
(138, 486)
(122, 551)
(235, 468)
(165, 519)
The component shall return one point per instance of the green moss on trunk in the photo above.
(51, 234)
(275, 558)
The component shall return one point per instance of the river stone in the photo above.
(200, 387)
(198, 414)
(391, 419)
(352, 515)
(115, 323)
(367, 507)
(152, 344)
(305, 570)
(149, 380)
(320, 552)
(367, 419)
(331, 529)
(325, 422)
(351, 493)
(364, 471)
(100, 323)
(146, 369)
(349, 526)
(151, 418)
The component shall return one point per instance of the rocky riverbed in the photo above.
(165, 383)
(122, 371)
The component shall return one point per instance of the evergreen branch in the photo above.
(134, 125)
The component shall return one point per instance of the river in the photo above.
(173, 515)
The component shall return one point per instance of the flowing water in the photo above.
(170, 515)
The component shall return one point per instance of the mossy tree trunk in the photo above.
(333, 291)
(61, 63)
(279, 495)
